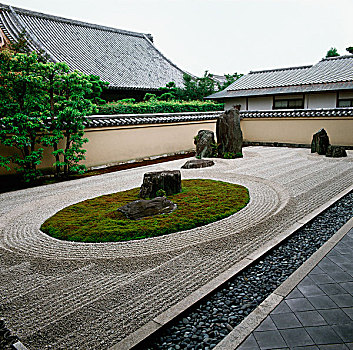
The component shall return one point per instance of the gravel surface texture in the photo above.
(66, 295)
(207, 324)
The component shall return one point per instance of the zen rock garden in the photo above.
(321, 145)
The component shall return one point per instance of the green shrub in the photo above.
(231, 155)
(155, 106)
(149, 97)
(167, 96)
(161, 193)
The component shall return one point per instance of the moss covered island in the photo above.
(97, 220)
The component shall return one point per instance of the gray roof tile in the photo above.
(125, 59)
(334, 73)
(158, 118)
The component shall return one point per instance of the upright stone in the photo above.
(229, 135)
(169, 181)
(336, 152)
(320, 142)
(204, 141)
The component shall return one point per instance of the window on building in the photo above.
(345, 102)
(290, 102)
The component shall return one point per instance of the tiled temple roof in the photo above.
(127, 60)
(98, 121)
(329, 74)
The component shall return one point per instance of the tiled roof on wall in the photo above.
(157, 118)
(334, 73)
(98, 121)
(125, 59)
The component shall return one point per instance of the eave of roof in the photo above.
(283, 90)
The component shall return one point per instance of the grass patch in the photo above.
(97, 220)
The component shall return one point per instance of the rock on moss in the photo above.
(169, 181)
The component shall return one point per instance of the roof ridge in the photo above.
(280, 69)
(19, 10)
(336, 58)
(288, 85)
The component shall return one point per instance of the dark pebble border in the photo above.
(206, 324)
(7, 340)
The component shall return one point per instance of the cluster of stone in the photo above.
(153, 183)
(229, 137)
(321, 144)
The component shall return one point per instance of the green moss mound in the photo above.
(97, 220)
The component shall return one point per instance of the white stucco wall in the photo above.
(322, 100)
(260, 103)
(311, 101)
(235, 101)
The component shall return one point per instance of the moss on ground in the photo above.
(97, 220)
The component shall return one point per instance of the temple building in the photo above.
(128, 61)
(326, 84)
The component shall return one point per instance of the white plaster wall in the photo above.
(229, 103)
(322, 100)
(260, 103)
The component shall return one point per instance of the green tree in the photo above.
(332, 52)
(21, 111)
(350, 49)
(44, 104)
(230, 79)
(71, 96)
(196, 88)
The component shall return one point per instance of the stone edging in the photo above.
(241, 331)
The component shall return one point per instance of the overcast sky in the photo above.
(221, 36)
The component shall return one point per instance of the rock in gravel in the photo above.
(204, 141)
(320, 142)
(197, 163)
(229, 134)
(147, 207)
(336, 152)
(168, 181)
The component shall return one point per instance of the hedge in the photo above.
(152, 107)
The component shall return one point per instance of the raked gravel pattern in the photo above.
(65, 295)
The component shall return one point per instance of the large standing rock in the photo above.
(204, 141)
(169, 181)
(336, 152)
(320, 142)
(141, 208)
(229, 135)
